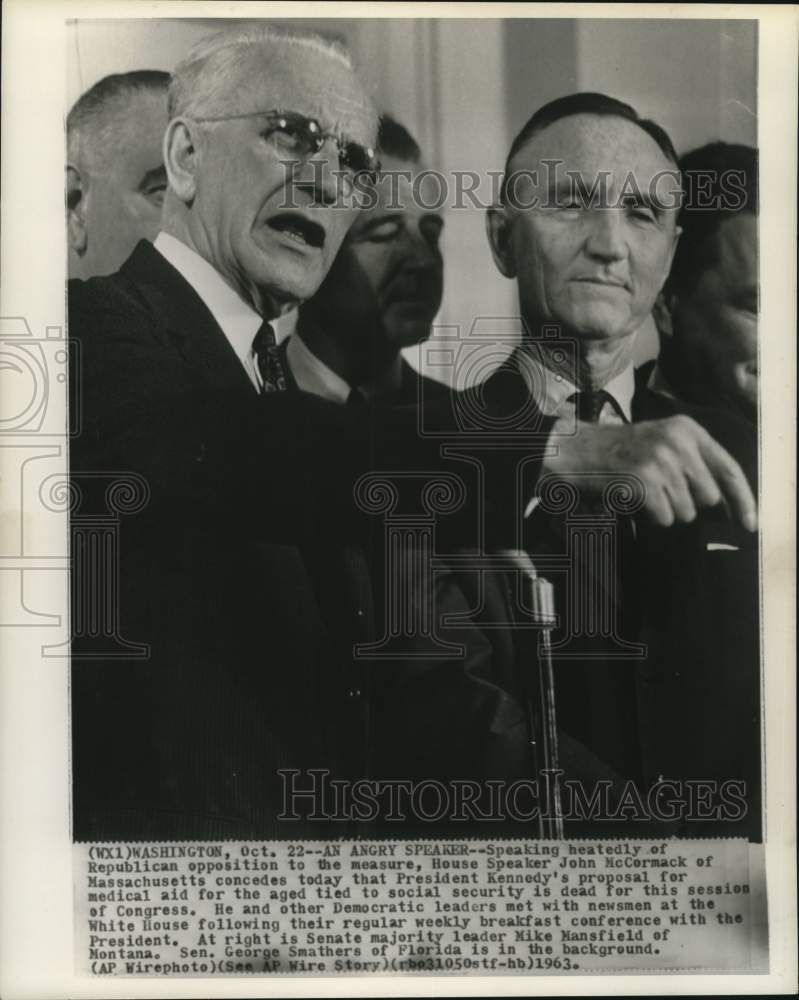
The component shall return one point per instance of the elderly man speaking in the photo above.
(249, 661)
(243, 586)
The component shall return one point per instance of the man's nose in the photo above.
(419, 254)
(319, 175)
(607, 235)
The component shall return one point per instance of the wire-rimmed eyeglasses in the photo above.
(298, 137)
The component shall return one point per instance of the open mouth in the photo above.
(298, 229)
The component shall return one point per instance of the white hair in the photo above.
(200, 82)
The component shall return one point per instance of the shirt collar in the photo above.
(312, 374)
(238, 320)
(658, 382)
(552, 389)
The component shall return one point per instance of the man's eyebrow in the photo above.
(642, 199)
(565, 186)
(573, 187)
(153, 178)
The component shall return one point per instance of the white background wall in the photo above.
(465, 87)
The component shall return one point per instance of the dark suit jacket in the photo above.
(414, 387)
(419, 388)
(250, 615)
(238, 574)
(690, 595)
(699, 692)
(688, 712)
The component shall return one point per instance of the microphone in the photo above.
(539, 599)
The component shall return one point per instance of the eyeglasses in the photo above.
(298, 137)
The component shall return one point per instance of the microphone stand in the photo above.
(538, 684)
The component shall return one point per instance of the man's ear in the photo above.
(498, 230)
(663, 309)
(670, 260)
(77, 231)
(661, 314)
(181, 157)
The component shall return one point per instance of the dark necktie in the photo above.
(267, 356)
(589, 404)
(356, 397)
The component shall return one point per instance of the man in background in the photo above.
(432, 718)
(595, 272)
(382, 292)
(590, 256)
(708, 319)
(115, 169)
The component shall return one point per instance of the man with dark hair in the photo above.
(115, 169)
(382, 292)
(465, 718)
(586, 103)
(709, 324)
(393, 139)
(590, 252)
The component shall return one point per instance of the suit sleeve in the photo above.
(455, 715)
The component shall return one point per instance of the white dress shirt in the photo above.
(659, 383)
(312, 374)
(551, 390)
(238, 320)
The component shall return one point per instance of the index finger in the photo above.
(731, 481)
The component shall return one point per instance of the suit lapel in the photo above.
(646, 404)
(186, 320)
(409, 383)
(649, 405)
(507, 386)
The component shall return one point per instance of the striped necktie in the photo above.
(267, 357)
(589, 404)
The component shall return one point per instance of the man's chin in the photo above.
(597, 323)
(288, 286)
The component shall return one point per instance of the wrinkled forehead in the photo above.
(310, 82)
(593, 146)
